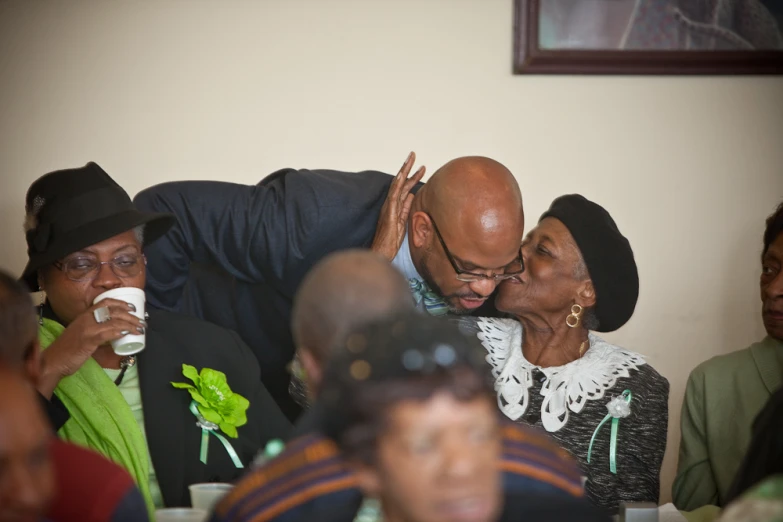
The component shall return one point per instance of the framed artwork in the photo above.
(648, 36)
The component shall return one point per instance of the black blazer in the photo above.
(239, 252)
(173, 437)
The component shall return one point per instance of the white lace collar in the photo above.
(566, 387)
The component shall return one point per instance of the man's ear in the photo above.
(313, 373)
(32, 362)
(586, 294)
(420, 228)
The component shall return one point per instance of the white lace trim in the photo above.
(566, 387)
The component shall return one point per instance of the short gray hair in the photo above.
(139, 233)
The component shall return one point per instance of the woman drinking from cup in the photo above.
(118, 369)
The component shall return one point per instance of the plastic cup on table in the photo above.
(180, 515)
(205, 496)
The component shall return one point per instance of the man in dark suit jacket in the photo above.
(239, 252)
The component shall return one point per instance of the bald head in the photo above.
(474, 187)
(28, 478)
(474, 204)
(18, 326)
(342, 292)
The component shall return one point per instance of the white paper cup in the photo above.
(180, 515)
(133, 342)
(207, 495)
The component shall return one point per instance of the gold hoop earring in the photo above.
(575, 317)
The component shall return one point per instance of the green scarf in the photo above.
(100, 418)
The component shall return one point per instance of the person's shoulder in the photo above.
(725, 366)
(308, 477)
(327, 184)
(85, 462)
(533, 461)
(204, 344)
(89, 486)
(648, 373)
(619, 358)
(166, 322)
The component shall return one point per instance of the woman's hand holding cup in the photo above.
(83, 336)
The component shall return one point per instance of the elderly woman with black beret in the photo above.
(84, 238)
(602, 403)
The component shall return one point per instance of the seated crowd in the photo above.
(319, 342)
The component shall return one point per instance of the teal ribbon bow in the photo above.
(433, 303)
(615, 415)
(210, 427)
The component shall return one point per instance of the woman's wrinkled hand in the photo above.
(393, 221)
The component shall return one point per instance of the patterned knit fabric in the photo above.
(641, 439)
(310, 479)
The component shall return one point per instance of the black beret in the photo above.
(607, 254)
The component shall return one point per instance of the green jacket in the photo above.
(722, 399)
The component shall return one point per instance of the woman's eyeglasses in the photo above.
(86, 268)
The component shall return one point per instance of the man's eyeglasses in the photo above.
(86, 268)
(514, 268)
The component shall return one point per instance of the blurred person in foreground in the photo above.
(408, 404)
(343, 291)
(87, 486)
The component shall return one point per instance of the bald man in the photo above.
(341, 293)
(239, 252)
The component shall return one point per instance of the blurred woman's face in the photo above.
(69, 298)
(437, 461)
(549, 285)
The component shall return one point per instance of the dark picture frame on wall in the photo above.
(685, 37)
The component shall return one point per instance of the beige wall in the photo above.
(233, 90)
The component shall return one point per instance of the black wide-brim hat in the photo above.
(607, 254)
(68, 210)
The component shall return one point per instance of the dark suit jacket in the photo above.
(239, 252)
(173, 437)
